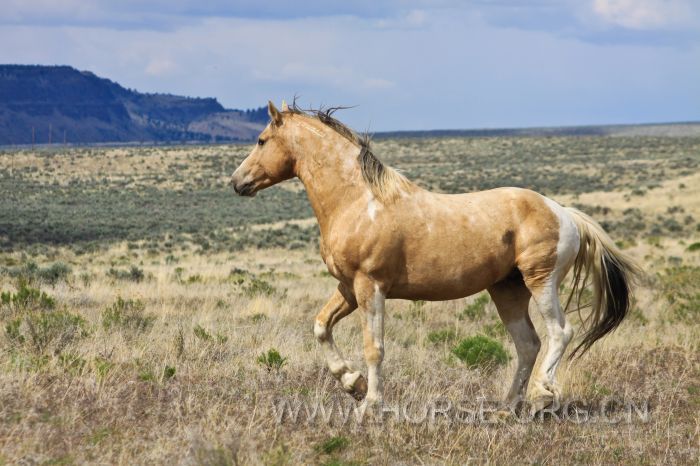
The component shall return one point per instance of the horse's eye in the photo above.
(261, 142)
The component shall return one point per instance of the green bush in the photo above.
(258, 287)
(127, 315)
(102, 366)
(72, 362)
(333, 444)
(694, 247)
(476, 309)
(31, 272)
(134, 274)
(46, 331)
(272, 360)
(168, 372)
(481, 352)
(25, 299)
(681, 287)
(495, 329)
(442, 336)
(54, 273)
(201, 334)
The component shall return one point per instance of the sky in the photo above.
(402, 64)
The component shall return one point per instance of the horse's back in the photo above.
(454, 245)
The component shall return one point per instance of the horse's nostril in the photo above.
(244, 189)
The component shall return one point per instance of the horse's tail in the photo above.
(611, 272)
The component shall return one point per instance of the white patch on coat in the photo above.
(569, 239)
(372, 206)
(372, 209)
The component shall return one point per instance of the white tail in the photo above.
(610, 271)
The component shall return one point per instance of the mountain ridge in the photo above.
(43, 104)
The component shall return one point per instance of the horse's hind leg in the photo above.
(340, 305)
(512, 298)
(545, 390)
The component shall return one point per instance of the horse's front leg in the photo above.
(370, 299)
(341, 304)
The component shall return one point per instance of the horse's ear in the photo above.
(275, 115)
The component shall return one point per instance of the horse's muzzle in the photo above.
(243, 189)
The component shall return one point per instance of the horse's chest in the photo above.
(336, 262)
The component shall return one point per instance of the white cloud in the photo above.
(378, 83)
(643, 14)
(160, 67)
(456, 70)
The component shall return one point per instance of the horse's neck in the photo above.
(332, 178)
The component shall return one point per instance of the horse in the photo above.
(384, 237)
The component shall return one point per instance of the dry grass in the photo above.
(112, 396)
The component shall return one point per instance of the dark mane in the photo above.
(384, 181)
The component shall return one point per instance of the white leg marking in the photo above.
(559, 330)
(375, 325)
(334, 359)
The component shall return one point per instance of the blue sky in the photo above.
(404, 64)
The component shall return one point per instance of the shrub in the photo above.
(180, 343)
(26, 299)
(44, 332)
(694, 247)
(333, 444)
(134, 274)
(258, 287)
(31, 272)
(476, 309)
(54, 273)
(127, 315)
(102, 366)
(480, 352)
(202, 334)
(72, 362)
(495, 330)
(681, 287)
(272, 360)
(168, 372)
(441, 336)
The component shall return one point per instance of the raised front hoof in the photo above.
(539, 404)
(359, 389)
(544, 400)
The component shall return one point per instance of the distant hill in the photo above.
(681, 129)
(58, 101)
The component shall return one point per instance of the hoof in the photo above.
(359, 389)
(545, 398)
(539, 404)
(513, 405)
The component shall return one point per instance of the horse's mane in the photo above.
(385, 182)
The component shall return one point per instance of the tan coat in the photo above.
(384, 237)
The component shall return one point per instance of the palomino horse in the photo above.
(384, 237)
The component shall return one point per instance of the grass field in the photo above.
(148, 315)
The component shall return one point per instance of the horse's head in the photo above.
(270, 161)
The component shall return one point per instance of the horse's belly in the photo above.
(450, 279)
